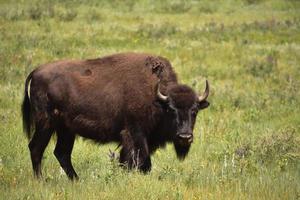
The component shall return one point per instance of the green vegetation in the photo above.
(247, 143)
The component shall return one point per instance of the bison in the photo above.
(130, 98)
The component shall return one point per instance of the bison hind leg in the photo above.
(39, 142)
(63, 151)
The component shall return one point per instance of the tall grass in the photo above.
(247, 142)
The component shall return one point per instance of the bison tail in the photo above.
(26, 109)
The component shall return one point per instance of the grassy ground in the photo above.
(247, 142)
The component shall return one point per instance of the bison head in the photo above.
(181, 106)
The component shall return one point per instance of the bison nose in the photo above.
(186, 137)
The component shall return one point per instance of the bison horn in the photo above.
(161, 96)
(205, 94)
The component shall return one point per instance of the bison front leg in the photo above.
(135, 152)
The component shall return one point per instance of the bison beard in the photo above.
(181, 151)
(131, 99)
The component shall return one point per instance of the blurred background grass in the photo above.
(247, 142)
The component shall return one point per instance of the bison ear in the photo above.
(203, 104)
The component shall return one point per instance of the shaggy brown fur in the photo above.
(110, 99)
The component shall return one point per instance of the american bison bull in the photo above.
(132, 99)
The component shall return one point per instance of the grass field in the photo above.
(247, 143)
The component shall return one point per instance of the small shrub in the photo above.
(252, 114)
(243, 151)
(94, 15)
(210, 30)
(178, 7)
(153, 31)
(253, 1)
(282, 148)
(263, 67)
(173, 7)
(67, 14)
(279, 149)
(207, 7)
(124, 5)
(48, 10)
(35, 12)
(12, 14)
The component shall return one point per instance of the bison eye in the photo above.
(171, 109)
(194, 112)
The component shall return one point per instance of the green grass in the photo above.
(249, 50)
